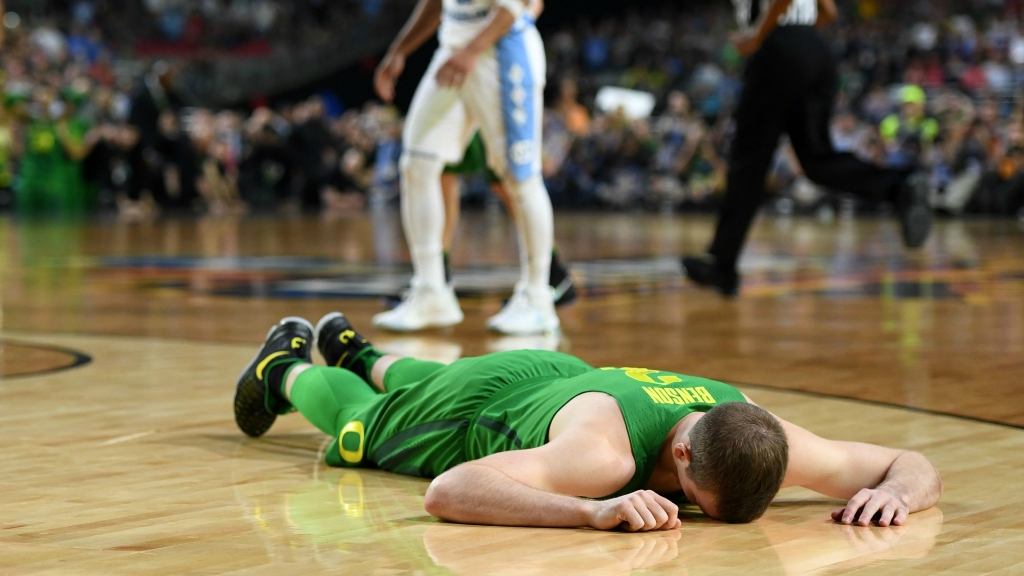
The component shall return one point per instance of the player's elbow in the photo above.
(437, 501)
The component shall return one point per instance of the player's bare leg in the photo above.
(452, 212)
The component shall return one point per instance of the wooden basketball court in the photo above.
(121, 343)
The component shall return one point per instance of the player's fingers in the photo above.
(901, 517)
(855, 503)
(869, 510)
(657, 510)
(383, 86)
(837, 515)
(442, 76)
(667, 505)
(888, 512)
(641, 506)
(629, 515)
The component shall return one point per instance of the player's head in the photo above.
(732, 461)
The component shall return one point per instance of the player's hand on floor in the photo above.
(873, 506)
(387, 74)
(455, 71)
(641, 511)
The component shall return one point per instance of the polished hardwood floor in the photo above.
(121, 342)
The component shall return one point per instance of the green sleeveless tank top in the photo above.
(652, 403)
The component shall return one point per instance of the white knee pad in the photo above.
(419, 171)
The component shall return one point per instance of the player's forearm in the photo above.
(827, 13)
(771, 18)
(422, 24)
(499, 25)
(914, 480)
(478, 494)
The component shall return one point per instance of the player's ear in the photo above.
(682, 451)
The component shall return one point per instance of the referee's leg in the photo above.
(807, 124)
(759, 123)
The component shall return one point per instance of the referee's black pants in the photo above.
(789, 86)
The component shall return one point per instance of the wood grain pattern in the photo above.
(132, 464)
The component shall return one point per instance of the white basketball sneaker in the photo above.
(530, 311)
(422, 307)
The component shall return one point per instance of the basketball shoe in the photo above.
(422, 307)
(343, 347)
(530, 311)
(258, 397)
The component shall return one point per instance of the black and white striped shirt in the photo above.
(800, 13)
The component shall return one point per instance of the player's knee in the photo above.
(531, 189)
(420, 170)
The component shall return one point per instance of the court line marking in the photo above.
(78, 358)
(915, 409)
(121, 439)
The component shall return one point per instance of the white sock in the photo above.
(536, 229)
(423, 217)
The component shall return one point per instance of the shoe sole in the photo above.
(541, 332)
(255, 425)
(553, 329)
(320, 326)
(428, 326)
(727, 291)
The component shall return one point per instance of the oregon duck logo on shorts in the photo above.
(350, 442)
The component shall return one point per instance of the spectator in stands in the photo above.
(574, 115)
(909, 134)
(163, 161)
(51, 179)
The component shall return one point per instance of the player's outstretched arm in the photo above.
(827, 13)
(422, 24)
(543, 487)
(883, 485)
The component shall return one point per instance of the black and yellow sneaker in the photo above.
(343, 347)
(258, 397)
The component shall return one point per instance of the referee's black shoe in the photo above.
(915, 210)
(704, 270)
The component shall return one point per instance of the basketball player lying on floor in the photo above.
(533, 438)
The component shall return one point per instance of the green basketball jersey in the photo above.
(480, 406)
(652, 403)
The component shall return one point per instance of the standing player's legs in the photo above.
(504, 96)
(435, 134)
(759, 123)
(473, 163)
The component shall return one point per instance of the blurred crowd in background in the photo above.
(84, 127)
